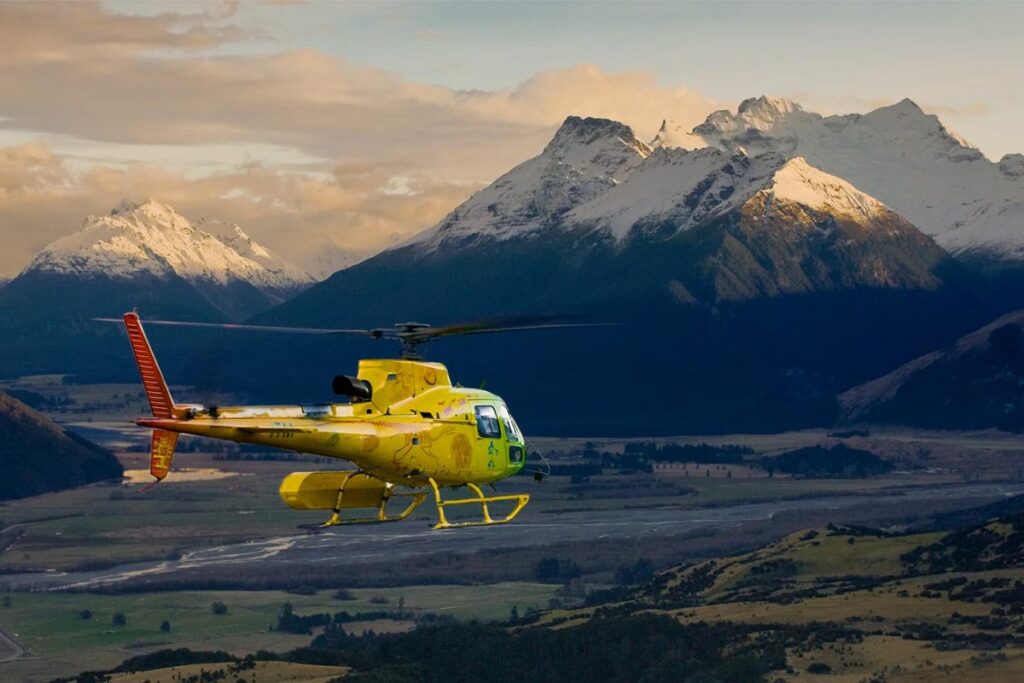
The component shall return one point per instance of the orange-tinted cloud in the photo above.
(389, 156)
(42, 197)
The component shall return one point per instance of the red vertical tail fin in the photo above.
(160, 401)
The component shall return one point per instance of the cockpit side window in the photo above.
(511, 428)
(487, 422)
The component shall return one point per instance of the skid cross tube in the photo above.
(520, 499)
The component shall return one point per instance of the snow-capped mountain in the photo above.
(595, 184)
(596, 174)
(899, 154)
(150, 238)
(143, 256)
(586, 158)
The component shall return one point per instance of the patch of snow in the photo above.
(232, 235)
(672, 135)
(799, 182)
(685, 188)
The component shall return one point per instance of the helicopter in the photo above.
(406, 428)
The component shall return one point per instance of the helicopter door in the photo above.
(488, 427)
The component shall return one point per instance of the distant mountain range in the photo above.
(758, 265)
(905, 158)
(141, 255)
(37, 456)
(150, 240)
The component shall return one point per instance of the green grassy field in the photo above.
(263, 672)
(51, 628)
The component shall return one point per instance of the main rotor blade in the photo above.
(505, 325)
(374, 334)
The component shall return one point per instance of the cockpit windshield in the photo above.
(511, 428)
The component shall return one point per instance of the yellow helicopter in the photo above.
(405, 427)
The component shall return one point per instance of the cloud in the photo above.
(55, 31)
(107, 77)
(353, 208)
(633, 97)
(387, 156)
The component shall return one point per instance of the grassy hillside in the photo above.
(857, 604)
(37, 456)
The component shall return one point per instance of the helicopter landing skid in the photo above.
(521, 499)
(415, 499)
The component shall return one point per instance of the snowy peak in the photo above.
(150, 238)
(599, 146)
(585, 158)
(905, 107)
(576, 130)
(149, 209)
(907, 122)
(766, 109)
(799, 182)
(763, 114)
(671, 135)
(1012, 166)
(232, 235)
(904, 115)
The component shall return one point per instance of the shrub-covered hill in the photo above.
(840, 560)
(37, 456)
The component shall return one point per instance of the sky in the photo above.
(335, 129)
